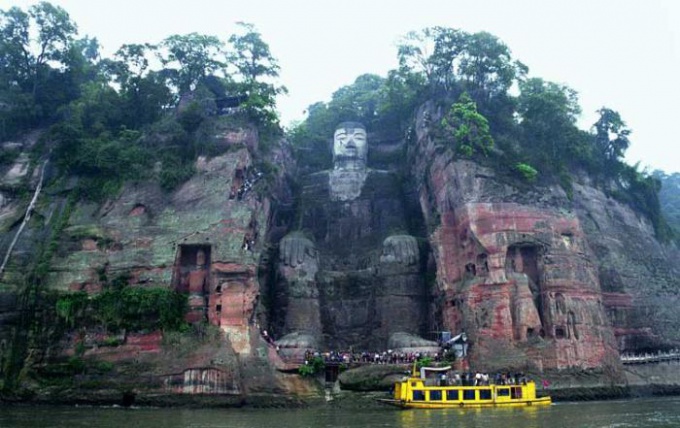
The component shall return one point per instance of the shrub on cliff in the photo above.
(312, 366)
(526, 171)
(465, 128)
(127, 308)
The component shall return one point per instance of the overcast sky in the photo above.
(622, 54)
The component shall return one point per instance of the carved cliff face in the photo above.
(346, 185)
(514, 268)
(349, 146)
(355, 280)
(348, 176)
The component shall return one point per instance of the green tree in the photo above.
(189, 58)
(548, 114)
(468, 129)
(34, 52)
(399, 97)
(611, 139)
(669, 198)
(641, 190)
(28, 57)
(145, 94)
(486, 65)
(255, 69)
(434, 53)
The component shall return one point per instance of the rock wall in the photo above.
(350, 269)
(206, 238)
(639, 276)
(534, 277)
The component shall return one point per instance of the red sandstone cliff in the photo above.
(535, 278)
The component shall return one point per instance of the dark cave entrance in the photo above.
(524, 258)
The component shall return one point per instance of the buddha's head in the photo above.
(349, 143)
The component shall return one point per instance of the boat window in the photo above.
(503, 392)
(485, 394)
(516, 392)
(418, 395)
(435, 395)
(452, 395)
(468, 394)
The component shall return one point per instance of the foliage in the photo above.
(255, 69)
(641, 192)
(452, 61)
(526, 171)
(36, 65)
(534, 132)
(611, 140)
(71, 307)
(466, 128)
(669, 198)
(146, 112)
(312, 366)
(189, 58)
(548, 113)
(97, 108)
(8, 156)
(424, 362)
(125, 308)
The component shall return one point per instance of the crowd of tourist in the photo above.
(481, 378)
(450, 377)
(247, 184)
(385, 357)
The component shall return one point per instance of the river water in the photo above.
(647, 412)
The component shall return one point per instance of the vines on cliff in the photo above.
(127, 308)
(30, 331)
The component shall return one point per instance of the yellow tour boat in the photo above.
(421, 392)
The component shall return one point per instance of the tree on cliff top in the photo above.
(547, 123)
(466, 128)
(669, 197)
(189, 58)
(611, 139)
(34, 61)
(453, 61)
(255, 68)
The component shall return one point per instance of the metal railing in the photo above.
(672, 355)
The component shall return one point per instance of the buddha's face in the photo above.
(349, 143)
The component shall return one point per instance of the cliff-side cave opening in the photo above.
(524, 258)
(483, 263)
(190, 259)
(192, 275)
(470, 270)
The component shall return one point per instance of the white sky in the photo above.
(622, 54)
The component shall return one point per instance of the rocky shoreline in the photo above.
(360, 387)
(343, 399)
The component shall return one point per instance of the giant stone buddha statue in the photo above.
(351, 274)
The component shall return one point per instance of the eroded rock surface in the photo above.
(534, 277)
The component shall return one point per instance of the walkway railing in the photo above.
(672, 355)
